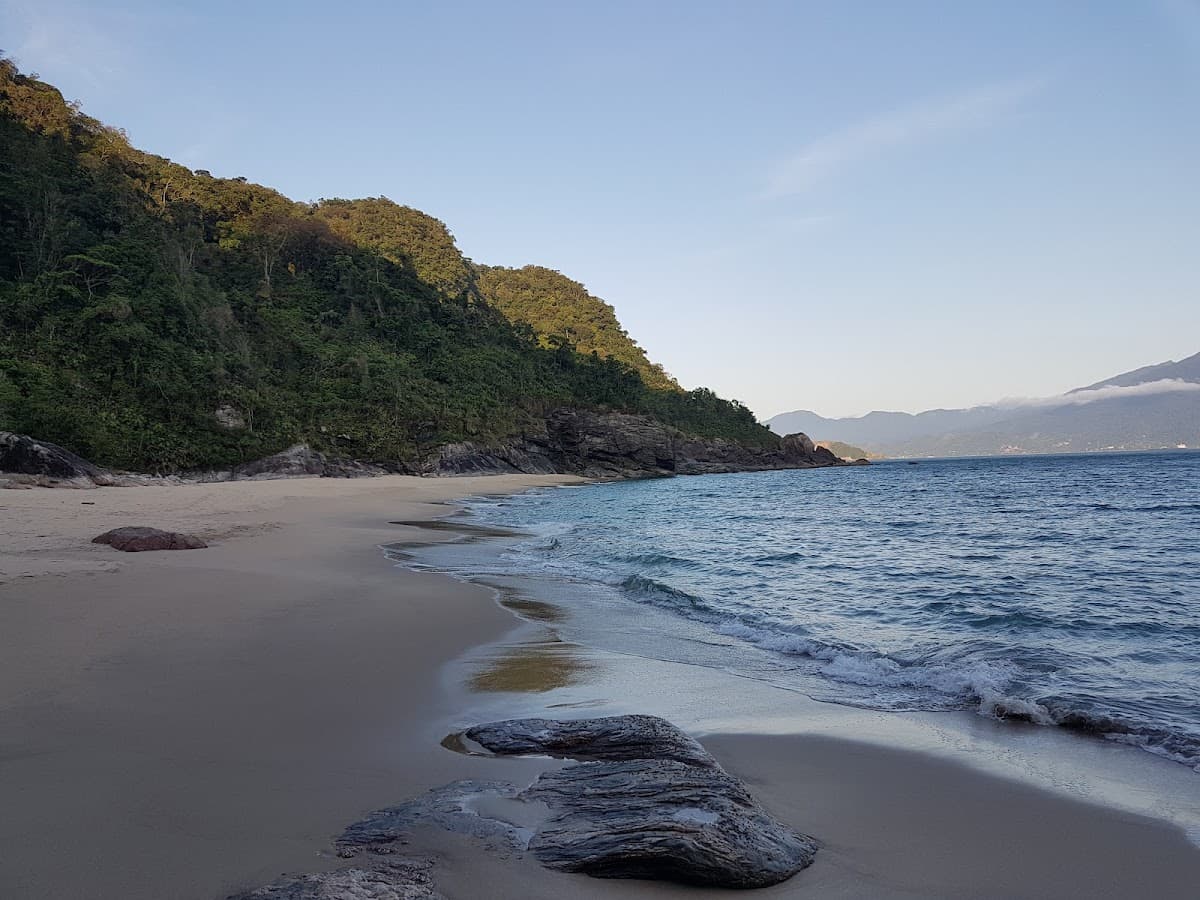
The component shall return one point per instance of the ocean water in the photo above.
(1059, 590)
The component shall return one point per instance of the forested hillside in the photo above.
(561, 310)
(156, 318)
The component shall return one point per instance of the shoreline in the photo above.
(194, 723)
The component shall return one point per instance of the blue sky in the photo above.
(833, 206)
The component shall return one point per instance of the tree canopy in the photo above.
(139, 297)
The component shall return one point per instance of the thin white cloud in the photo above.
(912, 125)
(1079, 398)
(55, 38)
(81, 43)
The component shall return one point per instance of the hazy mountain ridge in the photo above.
(1152, 407)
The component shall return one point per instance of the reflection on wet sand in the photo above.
(533, 609)
(533, 667)
(468, 530)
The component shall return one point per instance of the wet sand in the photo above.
(192, 723)
(183, 724)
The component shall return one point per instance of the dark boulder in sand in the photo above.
(392, 880)
(24, 455)
(650, 803)
(135, 538)
(663, 820)
(611, 737)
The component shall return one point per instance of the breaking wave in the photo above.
(1057, 592)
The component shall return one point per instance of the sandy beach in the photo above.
(190, 724)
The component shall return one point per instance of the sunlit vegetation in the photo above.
(138, 298)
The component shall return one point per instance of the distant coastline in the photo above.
(1151, 408)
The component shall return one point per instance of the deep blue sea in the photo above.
(1062, 590)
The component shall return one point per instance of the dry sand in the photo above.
(185, 724)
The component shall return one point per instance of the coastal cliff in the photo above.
(618, 445)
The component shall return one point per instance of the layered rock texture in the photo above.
(393, 880)
(648, 802)
(43, 463)
(664, 820)
(616, 445)
(611, 737)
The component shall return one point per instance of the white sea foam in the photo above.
(959, 609)
(985, 682)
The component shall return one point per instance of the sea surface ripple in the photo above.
(1061, 590)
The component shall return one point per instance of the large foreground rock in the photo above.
(136, 538)
(664, 820)
(652, 803)
(665, 811)
(610, 737)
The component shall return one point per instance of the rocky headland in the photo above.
(603, 445)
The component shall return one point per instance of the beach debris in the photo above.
(663, 819)
(394, 879)
(135, 538)
(609, 737)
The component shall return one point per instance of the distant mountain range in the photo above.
(1149, 408)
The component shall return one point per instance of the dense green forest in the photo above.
(559, 309)
(159, 319)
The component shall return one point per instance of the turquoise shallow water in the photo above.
(1061, 590)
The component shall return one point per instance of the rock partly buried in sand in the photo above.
(611, 737)
(392, 880)
(650, 803)
(664, 820)
(135, 538)
(450, 807)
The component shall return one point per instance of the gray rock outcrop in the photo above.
(301, 460)
(449, 807)
(650, 802)
(137, 538)
(229, 417)
(666, 820)
(621, 445)
(605, 445)
(391, 880)
(610, 737)
(24, 455)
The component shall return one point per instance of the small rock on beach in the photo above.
(135, 538)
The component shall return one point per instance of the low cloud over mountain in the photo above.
(1152, 407)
